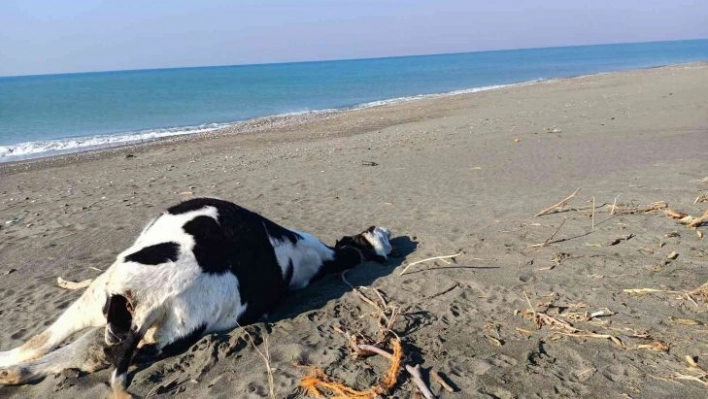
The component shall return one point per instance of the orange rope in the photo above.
(319, 385)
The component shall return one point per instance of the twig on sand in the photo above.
(614, 205)
(417, 379)
(533, 311)
(438, 378)
(428, 260)
(73, 285)
(699, 220)
(376, 350)
(558, 205)
(266, 360)
(592, 218)
(656, 206)
(548, 240)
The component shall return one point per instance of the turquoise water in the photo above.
(49, 114)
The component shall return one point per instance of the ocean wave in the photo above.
(36, 149)
(46, 148)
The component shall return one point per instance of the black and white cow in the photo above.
(203, 265)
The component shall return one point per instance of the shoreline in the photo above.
(264, 123)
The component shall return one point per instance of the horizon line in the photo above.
(341, 59)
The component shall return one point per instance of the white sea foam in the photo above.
(39, 149)
(36, 149)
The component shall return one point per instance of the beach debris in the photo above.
(672, 234)
(553, 130)
(685, 322)
(701, 198)
(548, 240)
(557, 259)
(560, 204)
(320, 385)
(614, 205)
(73, 285)
(266, 360)
(675, 215)
(699, 220)
(673, 255)
(562, 327)
(517, 141)
(440, 380)
(656, 346)
(620, 239)
(186, 193)
(655, 206)
(691, 360)
(417, 379)
(601, 313)
(129, 156)
(700, 292)
(699, 234)
(10, 271)
(369, 163)
(592, 217)
(453, 256)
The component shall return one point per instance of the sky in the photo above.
(60, 36)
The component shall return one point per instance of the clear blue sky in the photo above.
(54, 36)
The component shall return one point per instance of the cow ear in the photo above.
(362, 241)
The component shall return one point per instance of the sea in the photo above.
(45, 115)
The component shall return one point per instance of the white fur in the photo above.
(379, 239)
(307, 256)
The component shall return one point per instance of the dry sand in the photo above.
(460, 173)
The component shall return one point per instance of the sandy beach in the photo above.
(463, 174)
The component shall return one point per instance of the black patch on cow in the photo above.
(155, 254)
(238, 242)
(210, 244)
(119, 317)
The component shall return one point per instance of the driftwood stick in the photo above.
(592, 218)
(376, 350)
(614, 205)
(558, 205)
(427, 260)
(699, 220)
(73, 285)
(441, 381)
(548, 241)
(417, 379)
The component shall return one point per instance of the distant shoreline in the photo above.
(266, 123)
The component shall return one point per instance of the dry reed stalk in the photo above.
(674, 214)
(699, 220)
(266, 360)
(656, 206)
(438, 378)
(417, 379)
(563, 202)
(592, 218)
(429, 259)
(614, 205)
(548, 240)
